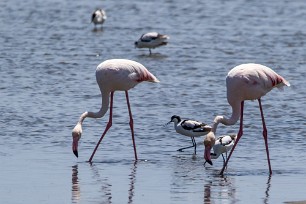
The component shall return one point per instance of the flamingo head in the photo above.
(209, 142)
(76, 135)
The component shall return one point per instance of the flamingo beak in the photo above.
(75, 146)
(207, 156)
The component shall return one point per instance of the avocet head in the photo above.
(175, 119)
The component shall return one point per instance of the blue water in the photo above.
(48, 55)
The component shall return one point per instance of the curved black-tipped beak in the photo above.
(76, 153)
(209, 161)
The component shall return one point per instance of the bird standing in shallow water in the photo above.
(151, 40)
(98, 17)
(113, 75)
(245, 82)
(190, 128)
(222, 145)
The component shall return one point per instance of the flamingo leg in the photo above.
(265, 135)
(237, 140)
(109, 124)
(131, 122)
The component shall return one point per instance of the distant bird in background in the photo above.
(189, 128)
(245, 82)
(222, 145)
(151, 40)
(98, 17)
(113, 75)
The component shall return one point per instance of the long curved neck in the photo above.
(101, 112)
(236, 110)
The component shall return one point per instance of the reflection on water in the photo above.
(76, 193)
(207, 192)
(189, 172)
(100, 29)
(266, 199)
(53, 59)
(106, 196)
(132, 178)
(224, 188)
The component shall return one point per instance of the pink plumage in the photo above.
(121, 74)
(251, 81)
(245, 82)
(113, 75)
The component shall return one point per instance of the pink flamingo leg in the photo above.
(109, 124)
(237, 140)
(131, 122)
(265, 135)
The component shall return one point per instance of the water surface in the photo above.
(49, 52)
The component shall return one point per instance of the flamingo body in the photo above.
(121, 75)
(98, 17)
(152, 40)
(251, 81)
(189, 128)
(245, 82)
(113, 75)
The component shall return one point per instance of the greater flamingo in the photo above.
(190, 128)
(245, 82)
(113, 75)
(98, 17)
(151, 40)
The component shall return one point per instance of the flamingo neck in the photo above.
(236, 110)
(101, 112)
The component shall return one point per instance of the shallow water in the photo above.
(49, 52)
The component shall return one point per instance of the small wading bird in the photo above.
(151, 40)
(113, 75)
(98, 17)
(245, 82)
(222, 145)
(190, 128)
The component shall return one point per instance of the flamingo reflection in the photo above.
(105, 185)
(75, 190)
(207, 192)
(217, 188)
(266, 199)
(132, 182)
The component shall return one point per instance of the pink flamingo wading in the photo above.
(113, 75)
(244, 82)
